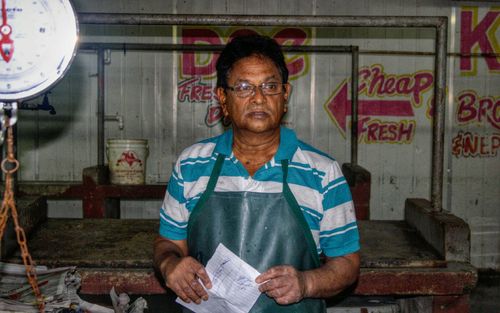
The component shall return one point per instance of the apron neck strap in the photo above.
(215, 173)
(294, 206)
(210, 188)
(284, 166)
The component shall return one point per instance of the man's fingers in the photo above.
(191, 294)
(202, 274)
(272, 284)
(198, 288)
(277, 293)
(265, 287)
(271, 273)
(181, 294)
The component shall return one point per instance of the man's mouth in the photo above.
(258, 114)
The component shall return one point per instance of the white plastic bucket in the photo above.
(127, 160)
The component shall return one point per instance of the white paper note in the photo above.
(233, 285)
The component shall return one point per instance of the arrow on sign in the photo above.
(339, 107)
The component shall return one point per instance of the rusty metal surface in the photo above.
(394, 244)
(129, 244)
(359, 180)
(354, 105)
(70, 190)
(438, 120)
(32, 211)
(100, 107)
(97, 243)
(94, 196)
(126, 46)
(454, 279)
(447, 233)
(111, 252)
(100, 281)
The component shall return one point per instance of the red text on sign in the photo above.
(475, 109)
(375, 82)
(467, 144)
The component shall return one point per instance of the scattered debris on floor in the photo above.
(59, 287)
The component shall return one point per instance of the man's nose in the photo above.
(258, 95)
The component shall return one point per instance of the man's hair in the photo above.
(245, 46)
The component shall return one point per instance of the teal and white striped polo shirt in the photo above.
(314, 178)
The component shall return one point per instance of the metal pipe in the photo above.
(354, 104)
(179, 47)
(266, 20)
(182, 47)
(118, 118)
(317, 49)
(431, 53)
(100, 106)
(438, 116)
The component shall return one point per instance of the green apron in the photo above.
(264, 229)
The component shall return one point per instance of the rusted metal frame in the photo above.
(263, 20)
(132, 192)
(438, 23)
(429, 53)
(93, 196)
(100, 106)
(457, 279)
(354, 104)
(74, 191)
(438, 120)
(354, 50)
(189, 47)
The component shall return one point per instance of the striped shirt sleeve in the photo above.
(338, 229)
(174, 214)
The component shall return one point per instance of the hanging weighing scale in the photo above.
(37, 44)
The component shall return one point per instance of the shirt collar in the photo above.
(225, 143)
(288, 144)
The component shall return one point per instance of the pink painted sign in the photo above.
(377, 90)
(197, 69)
(479, 33)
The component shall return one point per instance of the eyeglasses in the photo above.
(244, 90)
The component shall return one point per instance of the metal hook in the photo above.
(8, 109)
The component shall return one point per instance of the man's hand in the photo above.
(184, 276)
(287, 285)
(181, 272)
(283, 283)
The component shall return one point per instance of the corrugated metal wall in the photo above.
(142, 88)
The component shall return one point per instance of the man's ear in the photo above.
(288, 92)
(221, 96)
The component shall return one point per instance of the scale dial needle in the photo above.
(6, 44)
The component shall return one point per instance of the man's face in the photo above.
(257, 112)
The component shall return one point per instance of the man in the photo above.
(273, 200)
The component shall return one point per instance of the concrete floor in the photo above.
(486, 296)
(484, 299)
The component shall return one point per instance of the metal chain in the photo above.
(10, 203)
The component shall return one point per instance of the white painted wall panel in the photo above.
(57, 147)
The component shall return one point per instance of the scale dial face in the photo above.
(37, 44)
